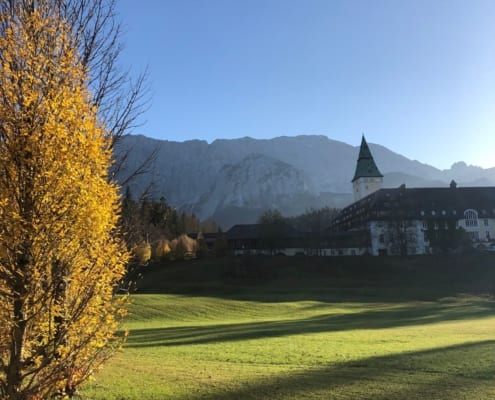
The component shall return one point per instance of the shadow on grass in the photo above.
(440, 374)
(408, 315)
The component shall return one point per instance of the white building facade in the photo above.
(407, 221)
(423, 220)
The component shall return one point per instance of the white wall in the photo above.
(365, 186)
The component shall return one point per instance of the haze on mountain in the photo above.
(235, 180)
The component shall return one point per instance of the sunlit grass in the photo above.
(184, 347)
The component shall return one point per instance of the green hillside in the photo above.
(287, 328)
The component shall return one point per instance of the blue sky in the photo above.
(415, 76)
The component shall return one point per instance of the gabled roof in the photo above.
(366, 166)
(245, 231)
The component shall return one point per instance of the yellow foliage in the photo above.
(161, 249)
(60, 255)
(142, 252)
(183, 247)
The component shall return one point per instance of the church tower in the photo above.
(367, 178)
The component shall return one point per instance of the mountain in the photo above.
(234, 180)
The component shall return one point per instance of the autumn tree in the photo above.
(156, 222)
(60, 255)
(118, 96)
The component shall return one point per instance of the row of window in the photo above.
(468, 223)
(470, 219)
(471, 212)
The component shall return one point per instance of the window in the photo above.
(471, 218)
(433, 213)
(487, 235)
(381, 238)
(486, 222)
(425, 225)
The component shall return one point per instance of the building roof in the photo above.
(434, 201)
(255, 231)
(206, 236)
(418, 203)
(366, 166)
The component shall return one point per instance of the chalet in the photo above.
(261, 239)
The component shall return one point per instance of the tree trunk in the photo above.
(14, 367)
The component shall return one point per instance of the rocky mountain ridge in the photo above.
(234, 180)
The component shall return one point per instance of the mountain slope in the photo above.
(228, 179)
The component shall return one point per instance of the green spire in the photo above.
(366, 166)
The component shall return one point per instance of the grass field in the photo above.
(308, 329)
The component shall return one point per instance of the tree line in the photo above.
(153, 229)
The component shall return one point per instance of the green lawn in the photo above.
(308, 330)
